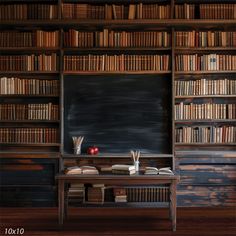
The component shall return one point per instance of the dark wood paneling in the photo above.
(118, 113)
(25, 172)
(207, 178)
(28, 181)
(208, 174)
(206, 195)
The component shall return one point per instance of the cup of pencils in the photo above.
(77, 141)
(135, 157)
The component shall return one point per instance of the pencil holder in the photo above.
(77, 150)
(136, 164)
(77, 141)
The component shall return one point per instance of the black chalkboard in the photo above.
(118, 113)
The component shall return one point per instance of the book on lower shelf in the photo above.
(120, 194)
(156, 171)
(86, 170)
(76, 193)
(95, 194)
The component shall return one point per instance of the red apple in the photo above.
(90, 151)
(96, 150)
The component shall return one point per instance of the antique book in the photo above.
(87, 170)
(155, 171)
(123, 167)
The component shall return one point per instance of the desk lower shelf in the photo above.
(123, 204)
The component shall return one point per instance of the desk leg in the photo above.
(173, 205)
(66, 201)
(61, 199)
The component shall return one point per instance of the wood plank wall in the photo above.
(206, 180)
(28, 182)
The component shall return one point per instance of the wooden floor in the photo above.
(125, 222)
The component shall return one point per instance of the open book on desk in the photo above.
(155, 171)
(86, 170)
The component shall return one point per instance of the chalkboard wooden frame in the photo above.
(93, 102)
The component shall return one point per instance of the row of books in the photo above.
(111, 38)
(121, 62)
(38, 38)
(217, 11)
(117, 63)
(96, 194)
(29, 112)
(29, 86)
(185, 11)
(113, 11)
(206, 134)
(28, 11)
(205, 38)
(204, 111)
(205, 11)
(205, 87)
(28, 135)
(148, 194)
(208, 62)
(33, 62)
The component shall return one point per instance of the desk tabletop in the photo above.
(115, 177)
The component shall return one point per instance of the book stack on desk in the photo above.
(76, 193)
(95, 194)
(123, 169)
(120, 194)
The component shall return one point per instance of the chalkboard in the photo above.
(118, 113)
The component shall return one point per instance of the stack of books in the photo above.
(120, 194)
(76, 193)
(86, 170)
(155, 171)
(95, 194)
(123, 169)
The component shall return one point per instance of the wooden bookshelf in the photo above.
(170, 149)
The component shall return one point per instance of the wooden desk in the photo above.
(117, 180)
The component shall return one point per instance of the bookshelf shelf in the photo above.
(104, 49)
(26, 155)
(29, 49)
(205, 72)
(32, 144)
(205, 144)
(28, 96)
(29, 72)
(206, 121)
(67, 23)
(114, 72)
(199, 49)
(29, 121)
(149, 22)
(205, 96)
